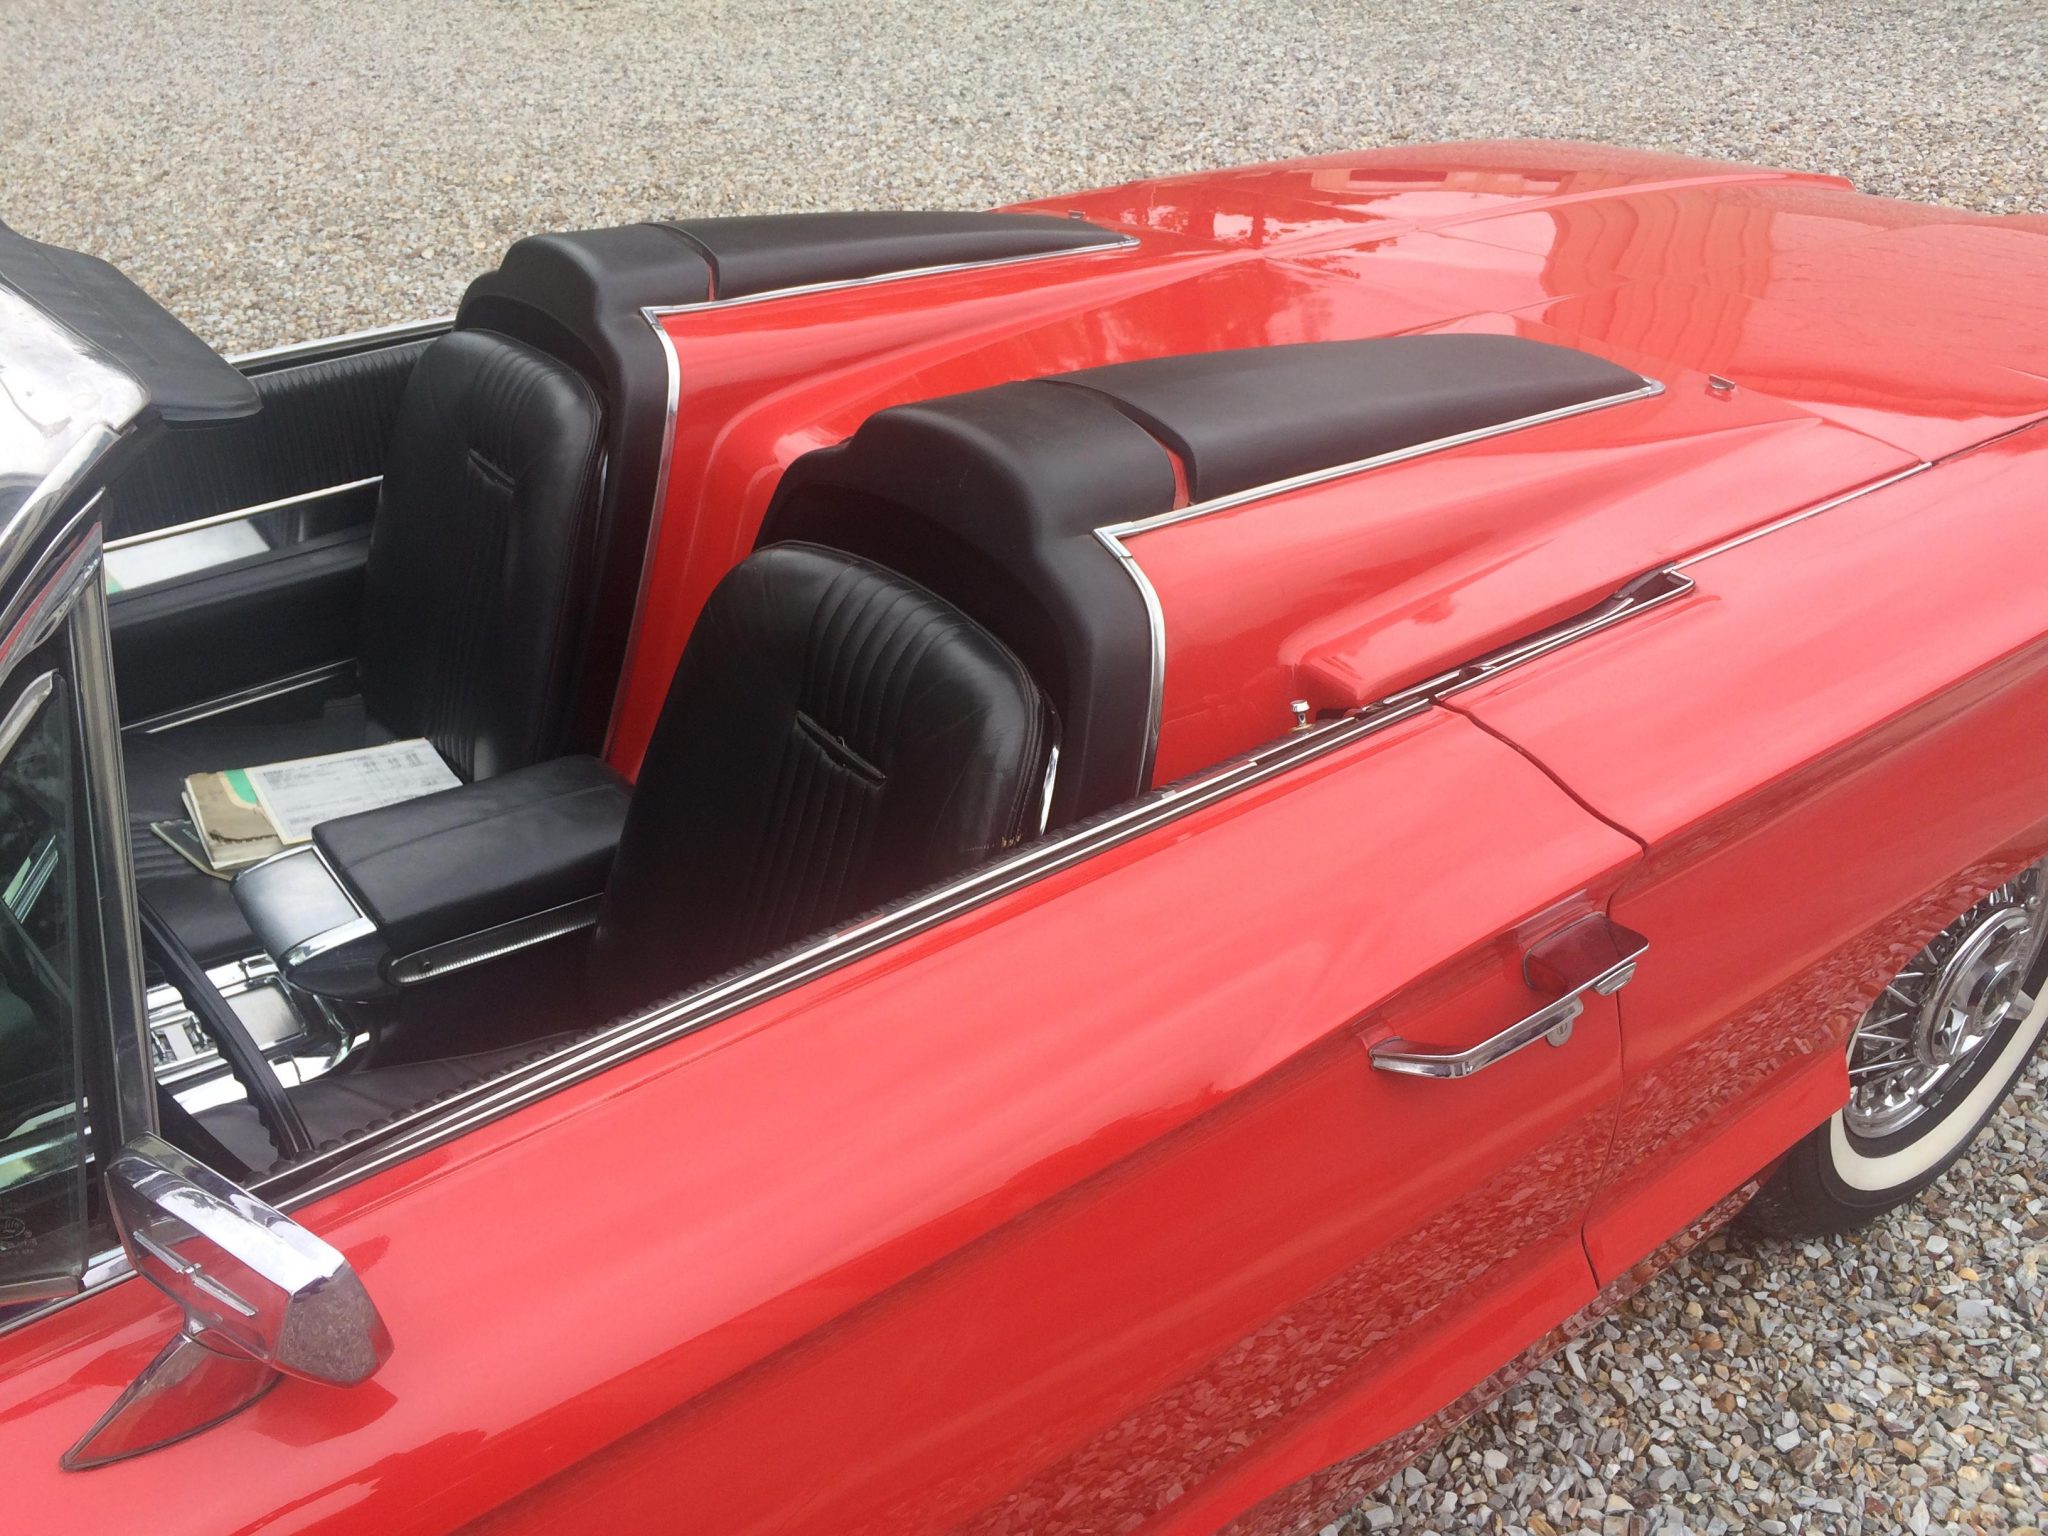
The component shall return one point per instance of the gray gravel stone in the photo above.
(277, 171)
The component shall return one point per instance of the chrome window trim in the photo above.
(274, 359)
(239, 514)
(1114, 535)
(224, 703)
(407, 1135)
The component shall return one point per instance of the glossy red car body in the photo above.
(1084, 1211)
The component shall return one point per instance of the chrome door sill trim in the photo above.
(609, 1045)
(239, 514)
(256, 694)
(270, 359)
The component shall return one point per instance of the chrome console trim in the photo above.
(492, 943)
(239, 514)
(406, 1135)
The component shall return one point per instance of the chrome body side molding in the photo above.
(606, 1047)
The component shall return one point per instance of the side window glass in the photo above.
(42, 1161)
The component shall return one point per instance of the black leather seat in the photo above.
(472, 610)
(835, 737)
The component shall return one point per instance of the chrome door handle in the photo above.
(1594, 954)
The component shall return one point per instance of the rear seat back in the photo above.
(479, 562)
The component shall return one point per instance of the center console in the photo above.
(388, 899)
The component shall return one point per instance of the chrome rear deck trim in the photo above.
(1114, 535)
(654, 314)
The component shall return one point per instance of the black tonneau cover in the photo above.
(188, 383)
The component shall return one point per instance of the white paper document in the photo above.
(300, 794)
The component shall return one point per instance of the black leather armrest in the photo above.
(454, 865)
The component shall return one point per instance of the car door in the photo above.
(1084, 1209)
(235, 555)
(1829, 751)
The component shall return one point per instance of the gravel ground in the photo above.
(279, 171)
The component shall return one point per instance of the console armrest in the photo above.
(394, 896)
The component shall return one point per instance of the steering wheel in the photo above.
(280, 1116)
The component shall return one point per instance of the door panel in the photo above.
(1830, 749)
(202, 613)
(218, 631)
(1046, 1196)
(324, 422)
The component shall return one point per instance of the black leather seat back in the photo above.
(478, 565)
(835, 737)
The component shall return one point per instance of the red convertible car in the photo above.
(1105, 859)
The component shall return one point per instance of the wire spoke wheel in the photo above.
(1955, 1001)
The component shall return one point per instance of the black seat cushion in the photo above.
(200, 909)
(835, 737)
(480, 554)
(472, 608)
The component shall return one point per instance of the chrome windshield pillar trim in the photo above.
(24, 709)
(206, 709)
(113, 860)
(239, 514)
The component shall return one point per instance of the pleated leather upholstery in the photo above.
(835, 737)
(322, 424)
(479, 561)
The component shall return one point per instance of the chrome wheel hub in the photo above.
(1960, 994)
